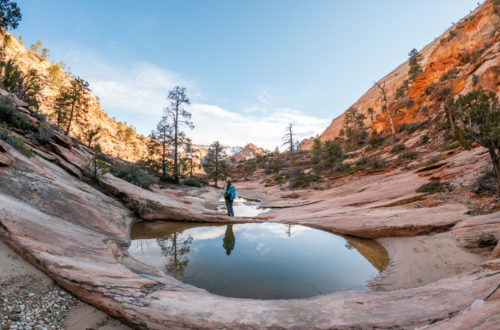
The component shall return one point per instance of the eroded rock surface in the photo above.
(76, 234)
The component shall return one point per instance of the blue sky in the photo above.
(249, 66)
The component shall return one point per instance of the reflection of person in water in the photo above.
(228, 240)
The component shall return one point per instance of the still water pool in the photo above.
(258, 260)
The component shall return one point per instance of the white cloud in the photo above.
(136, 93)
(231, 128)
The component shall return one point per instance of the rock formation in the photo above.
(471, 47)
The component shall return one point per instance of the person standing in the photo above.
(229, 196)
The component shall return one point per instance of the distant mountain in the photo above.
(247, 152)
(466, 56)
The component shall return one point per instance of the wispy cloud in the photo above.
(136, 93)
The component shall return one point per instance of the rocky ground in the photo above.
(29, 299)
(77, 232)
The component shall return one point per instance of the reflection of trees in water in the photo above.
(229, 240)
(289, 230)
(175, 248)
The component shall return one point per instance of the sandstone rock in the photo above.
(484, 316)
(3, 146)
(153, 206)
(441, 55)
(6, 160)
(78, 236)
(18, 102)
(478, 233)
(23, 110)
(70, 155)
(431, 203)
(62, 140)
(492, 264)
(496, 251)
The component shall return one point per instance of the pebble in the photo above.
(30, 306)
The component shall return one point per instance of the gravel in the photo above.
(25, 304)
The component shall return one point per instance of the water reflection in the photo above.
(243, 207)
(271, 261)
(175, 248)
(229, 240)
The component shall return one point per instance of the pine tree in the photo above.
(178, 117)
(72, 102)
(477, 118)
(215, 164)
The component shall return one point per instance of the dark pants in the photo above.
(229, 206)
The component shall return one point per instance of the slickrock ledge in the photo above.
(78, 236)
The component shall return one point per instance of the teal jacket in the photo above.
(231, 195)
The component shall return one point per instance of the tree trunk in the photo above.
(390, 120)
(176, 143)
(496, 164)
(452, 123)
(216, 168)
(163, 159)
(70, 117)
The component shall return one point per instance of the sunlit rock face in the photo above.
(478, 33)
(247, 152)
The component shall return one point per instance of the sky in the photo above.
(250, 66)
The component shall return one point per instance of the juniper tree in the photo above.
(90, 133)
(477, 119)
(353, 125)
(215, 164)
(189, 150)
(10, 14)
(316, 151)
(178, 117)
(163, 137)
(26, 85)
(370, 111)
(71, 102)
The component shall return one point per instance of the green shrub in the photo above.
(453, 145)
(45, 132)
(410, 127)
(408, 155)
(431, 187)
(450, 74)
(21, 147)
(376, 140)
(134, 174)
(398, 148)
(192, 182)
(485, 183)
(424, 139)
(430, 89)
(300, 179)
(355, 169)
(376, 163)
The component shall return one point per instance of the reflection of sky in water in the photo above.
(242, 207)
(267, 261)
